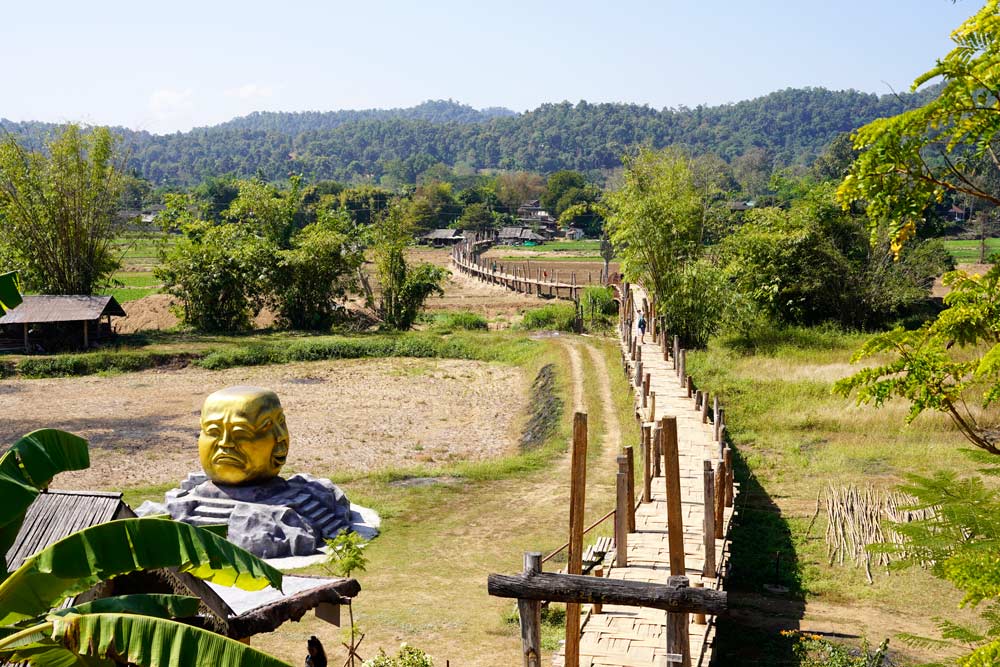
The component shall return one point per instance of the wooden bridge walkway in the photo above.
(636, 636)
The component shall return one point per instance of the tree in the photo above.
(655, 224)
(432, 206)
(59, 210)
(558, 186)
(365, 203)
(137, 629)
(317, 270)
(515, 188)
(476, 217)
(911, 160)
(275, 214)
(752, 170)
(404, 289)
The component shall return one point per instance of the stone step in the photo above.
(213, 512)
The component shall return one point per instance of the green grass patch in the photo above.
(91, 363)
(553, 317)
(457, 321)
(967, 251)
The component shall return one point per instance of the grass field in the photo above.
(793, 440)
(967, 251)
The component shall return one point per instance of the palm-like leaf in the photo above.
(27, 468)
(83, 559)
(147, 604)
(10, 295)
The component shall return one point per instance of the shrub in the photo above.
(556, 316)
(464, 321)
(599, 307)
(95, 362)
(408, 656)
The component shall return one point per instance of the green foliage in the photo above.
(554, 317)
(10, 294)
(458, 321)
(89, 363)
(408, 656)
(912, 160)
(404, 289)
(942, 364)
(219, 276)
(696, 304)
(316, 272)
(58, 209)
(814, 651)
(477, 217)
(346, 554)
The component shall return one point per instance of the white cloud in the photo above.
(171, 109)
(251, 91)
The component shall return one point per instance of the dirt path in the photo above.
(576, 368)
(612, 427)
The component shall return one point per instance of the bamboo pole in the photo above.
(672, 480)
(578, 485)
(708, 479)
(530, 612)
(621, 513)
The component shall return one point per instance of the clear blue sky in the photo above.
(167, 66)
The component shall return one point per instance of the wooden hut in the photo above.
(92, 313)
(232, 612)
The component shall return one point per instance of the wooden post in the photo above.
(578, 486)
(597, 606)
(704, 408)
(630, 461)
(690, 386)
(621, 514)
(86, 334)
(683, 364)
(672, 478)
(638, 352)
(677, 348)
(530, 612)
(699, 618)
(708, 477)
(27, 348)
(645, 384)
(719, 421)
(638, 373)
(652, 405)
(657, 449)
(720, 498)
(698, 395)
(647, 460)
(677, 630)
(715, 417)
(727, 457)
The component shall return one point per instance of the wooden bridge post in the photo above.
(630, 488)
(720, 498)
(715, 417)
(647, 460)
(708, 478)
(530, 612)
(698, 395)
(672, 479)
(704, 408)
(727, 457)
(621, 514)
(720, 415)
(578, 486)
(657, 448)
(689, 386)
(678, 643)
(652, 405)
(638, 373)
(699, 618)
(677, 349)
(645, 388)
(597, 607)
(680, 370)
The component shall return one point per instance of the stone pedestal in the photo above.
(274, 519)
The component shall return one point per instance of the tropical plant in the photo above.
(10, 295)
(404, 289)
(910, 161)
(408, 656)
(59, 210)
(137, 629)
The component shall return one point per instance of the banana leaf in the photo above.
(147, 604)
(27, 468)
(10, 295)
(51, 654)
(85, 558)
(154, 642)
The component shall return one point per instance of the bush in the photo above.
(462, 321)
(95, 362)
(696, 303)
(599, 307)
(556, 316)
(408, 656)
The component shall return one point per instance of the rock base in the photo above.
(274, 519)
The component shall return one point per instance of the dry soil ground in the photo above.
(344, 416)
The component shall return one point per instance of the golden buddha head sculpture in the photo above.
(243, 436)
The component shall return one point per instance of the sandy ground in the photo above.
(939, 290)
(343, 416)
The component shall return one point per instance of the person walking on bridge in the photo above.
(642, 328)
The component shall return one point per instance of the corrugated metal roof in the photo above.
(56, 514)
(442, 234)
(37, 309)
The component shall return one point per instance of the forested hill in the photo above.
(792, 125)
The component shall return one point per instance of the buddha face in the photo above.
(243, 436)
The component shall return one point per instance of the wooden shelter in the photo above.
(229, 611)
(93, 313)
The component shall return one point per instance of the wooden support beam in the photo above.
(681, 369)
(630, 487)
(638, 373)
(720, 499)
(720, 420)
(727, 457)
(621, 513)
(530, 612)
(647, 462)
(704, 408)
(652, 406)
(699, 618)
(597, 606)
(689, 385)
(708, 532)
(678, 642)
(588, 590)
(578, 486)
(672, 479)
(657, 450)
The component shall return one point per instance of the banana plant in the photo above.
(10, 295)
(133, 629)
